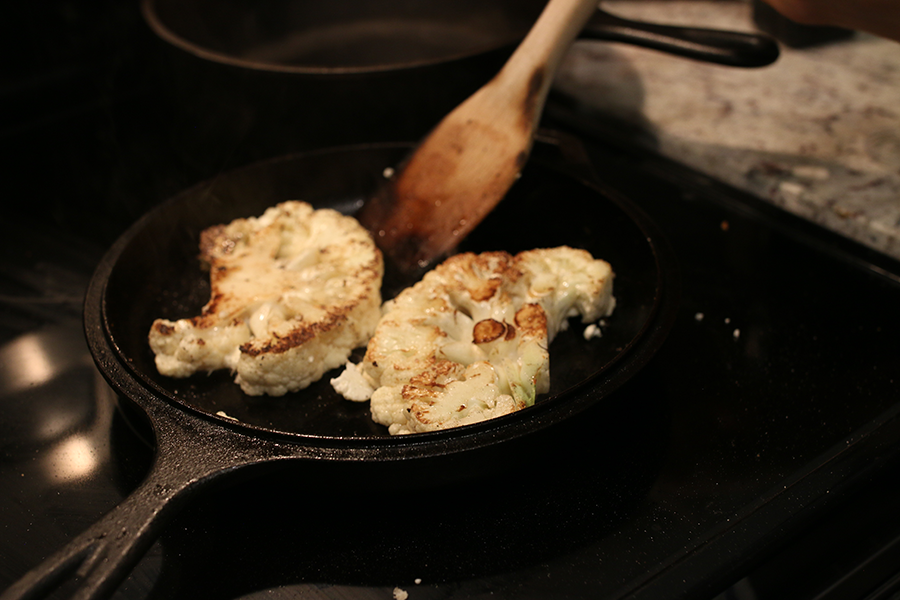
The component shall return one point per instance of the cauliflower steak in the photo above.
(293, 292)
(470, 341)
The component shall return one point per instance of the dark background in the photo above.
(759, 465)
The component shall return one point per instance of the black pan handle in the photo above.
(103, 555)
(730, 48)
(187, 460)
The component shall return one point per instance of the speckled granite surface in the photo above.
(817, 132)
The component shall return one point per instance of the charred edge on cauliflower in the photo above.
(470, 341)
(298, 335)
(296, 286)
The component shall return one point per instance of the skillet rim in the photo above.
(116, 366)
(153, 19)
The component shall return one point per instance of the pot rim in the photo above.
(164, 32)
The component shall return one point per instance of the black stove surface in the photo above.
(756, 454)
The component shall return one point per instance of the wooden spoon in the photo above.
(465, 166)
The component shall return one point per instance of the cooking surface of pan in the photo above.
(156, 273)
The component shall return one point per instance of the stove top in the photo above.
(755, 454)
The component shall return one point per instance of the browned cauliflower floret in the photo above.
(294, 291)
(470, 341)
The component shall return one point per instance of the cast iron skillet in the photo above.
(152, 271)
(260, 79)
(357, 36)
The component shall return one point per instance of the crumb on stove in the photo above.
(698, 316)
(736, 333)
(400, 594)
(222, 413)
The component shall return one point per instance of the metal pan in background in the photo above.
(267, 78)
(152, 271)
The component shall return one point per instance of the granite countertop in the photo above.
(817, 132)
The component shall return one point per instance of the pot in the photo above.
(152, 271)
(289, 75)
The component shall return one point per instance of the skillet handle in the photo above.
(191, 453)
(101, 557)
(730, 48)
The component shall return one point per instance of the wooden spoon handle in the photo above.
(469, 161)
(535, 61)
